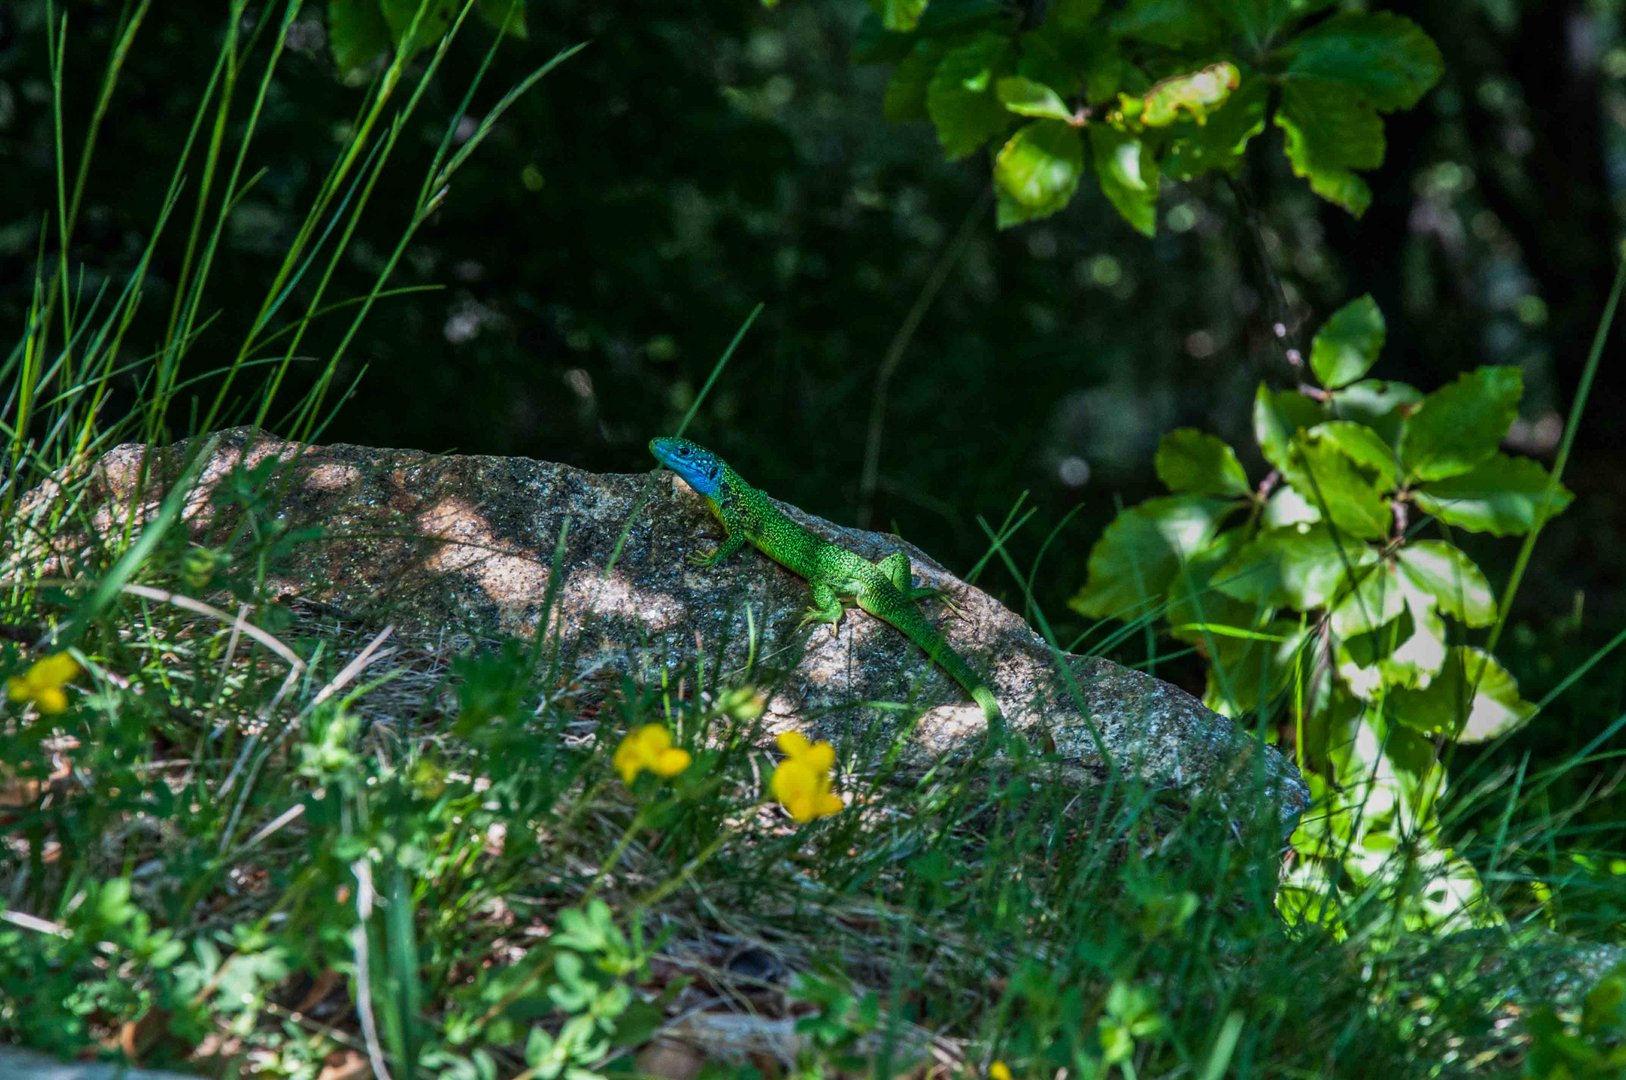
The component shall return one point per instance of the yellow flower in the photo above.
(999, 1071)
(42, 683)
(801, 783)
(649, 747)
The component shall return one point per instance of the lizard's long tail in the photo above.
(957, 667)
(886, 603)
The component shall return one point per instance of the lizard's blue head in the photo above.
(700, 468)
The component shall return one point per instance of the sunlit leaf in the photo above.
(1287, 507)
(1406, 651)
(1341, 487)
(1444, 706)
(1347, 345)
(1444, 573)
(1330, 131)
(1376, 600)
(1297, 568)
(899, 14)
(1197, 463)
(1026, 97)
(1278, 415)
(1503, 495)
(1195, 96)
(1038, 171)
(1377, 403)
(1138, 556)
(1461, 424)
(1361, 445)
(1127, 174)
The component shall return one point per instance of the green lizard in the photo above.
(884, 589)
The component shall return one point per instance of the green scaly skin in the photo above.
(884, 589)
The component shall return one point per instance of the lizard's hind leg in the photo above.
(827, 608)
(898, 571)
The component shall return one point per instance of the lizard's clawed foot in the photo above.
(819, 615)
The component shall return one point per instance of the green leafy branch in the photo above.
(1154, 89)
(1322, 585)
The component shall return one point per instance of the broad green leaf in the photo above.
(899, 14)
(1127, 174)
(1376, 600)
(356, 32)
(1278, 415)
(1292, 567)
(1446, 575)
(906, 91)
(509, 13)
(432, 23)
(1259, 20)
(1377, 404)
(1347, 345)
(1504, 496)
(1171, 23)
(1197, 463)
(1198, 94)
(1139, 554)
(1330, 131)
(1025, 97)
(1287, 507)
(1461, 424)
(1381, 56)
(1195, 149)
(1037, 171)
(1361, 445)
(960, 97)
(1444, 707)
(1420, 656)
(1405, 652)
(1337, 485)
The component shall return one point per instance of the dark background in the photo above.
(605, 244)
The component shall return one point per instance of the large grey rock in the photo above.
(462, 549)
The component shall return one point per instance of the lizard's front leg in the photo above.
(731, 543)
(826, 609)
